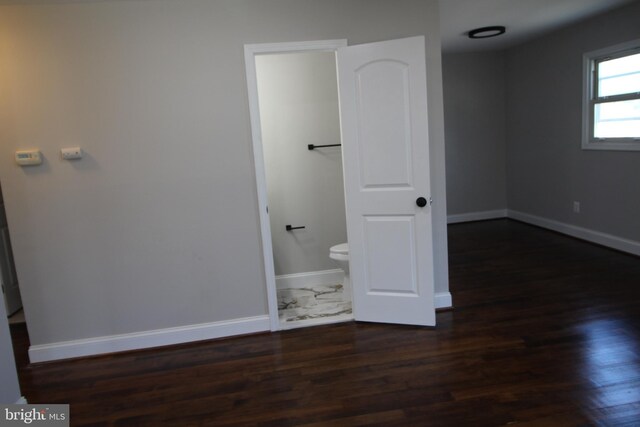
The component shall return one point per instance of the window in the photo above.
(611, 103)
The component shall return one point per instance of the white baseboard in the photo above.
(311, 278)
(443, 300)
(476, 216)
(604, 239)
(146, 339)
(22, 401)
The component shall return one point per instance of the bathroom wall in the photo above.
(157, 227)
(298, 97)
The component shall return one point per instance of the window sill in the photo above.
(612, 145)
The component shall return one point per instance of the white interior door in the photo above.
(383, 113)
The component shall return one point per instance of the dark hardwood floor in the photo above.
(546, 332)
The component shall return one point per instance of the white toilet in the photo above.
(340, 253)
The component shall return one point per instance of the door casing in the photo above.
(250, 52)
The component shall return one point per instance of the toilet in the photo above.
(340, 253)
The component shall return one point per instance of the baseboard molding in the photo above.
(311, 278)
(604, 239)
(443, 300)
(147, 339)
(476, 216)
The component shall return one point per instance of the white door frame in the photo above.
(250, 52)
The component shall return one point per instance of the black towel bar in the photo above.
(311, 146)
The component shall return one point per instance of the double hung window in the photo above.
(611, 104)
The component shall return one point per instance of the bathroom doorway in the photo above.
(300, 127)
(385, 152)
(8, 276)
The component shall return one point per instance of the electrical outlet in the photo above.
(71, 153)
(576, 207)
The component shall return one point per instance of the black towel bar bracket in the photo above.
(313, 147)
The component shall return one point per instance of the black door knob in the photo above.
(421, 202)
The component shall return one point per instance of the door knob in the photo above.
(421, 202)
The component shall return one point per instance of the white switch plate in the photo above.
(71, 153)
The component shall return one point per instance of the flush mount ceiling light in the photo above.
(486, 32)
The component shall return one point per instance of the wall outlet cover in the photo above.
(71, 153)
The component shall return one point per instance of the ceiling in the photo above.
(524, 19)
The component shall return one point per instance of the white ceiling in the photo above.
(524, 20)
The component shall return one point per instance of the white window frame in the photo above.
(589, 142)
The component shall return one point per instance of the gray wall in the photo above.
(157, 226)
(298, 96)
(474, 111)
(547, 169)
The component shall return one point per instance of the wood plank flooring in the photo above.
(546, 332)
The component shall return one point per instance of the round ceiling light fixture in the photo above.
(486, 32)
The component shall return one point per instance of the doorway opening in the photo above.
(384, 131)
(8, 276)
(302, 180)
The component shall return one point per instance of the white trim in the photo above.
(146, 339)
(609, 240)
(311, 278)
(250, 51)
(443, 300)
(22, 401)
(589, 143)
(611, 146)
(290, 47)
(476, 216)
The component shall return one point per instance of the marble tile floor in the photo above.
(316, 302)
